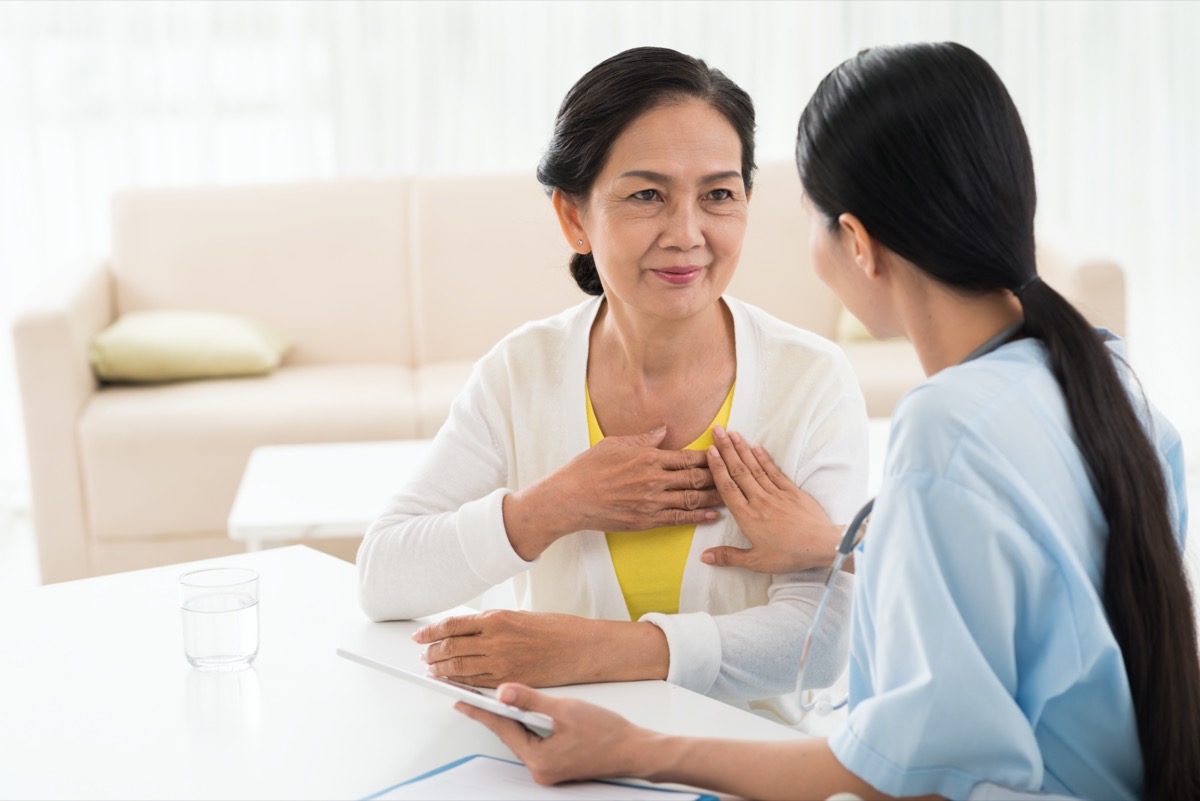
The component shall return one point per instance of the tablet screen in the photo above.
(539, 723)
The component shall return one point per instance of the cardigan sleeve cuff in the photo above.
(484, 540)
(694, 645)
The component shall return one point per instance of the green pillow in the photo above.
(152, 346)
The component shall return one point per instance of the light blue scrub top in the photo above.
(981, 650)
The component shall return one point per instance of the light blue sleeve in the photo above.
(940, 639)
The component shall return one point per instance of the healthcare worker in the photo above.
(1022, 620)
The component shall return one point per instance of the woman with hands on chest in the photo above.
(575, 462)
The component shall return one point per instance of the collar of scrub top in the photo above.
(855, 532)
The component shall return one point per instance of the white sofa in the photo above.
(388, 290)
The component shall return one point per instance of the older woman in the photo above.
(574, 461)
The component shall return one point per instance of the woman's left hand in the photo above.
(788, 530)
(542, 649)
(588, 742)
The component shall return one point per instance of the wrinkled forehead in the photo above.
(686, 138)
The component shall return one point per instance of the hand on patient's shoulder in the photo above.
(788, 530)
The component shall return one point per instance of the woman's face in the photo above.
(667, 214)
(826, 253)
(831, 252)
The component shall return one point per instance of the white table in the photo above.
(333, 489)
(97, 701)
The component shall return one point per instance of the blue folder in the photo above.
(668, 793)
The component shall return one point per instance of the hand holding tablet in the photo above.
(536, 722)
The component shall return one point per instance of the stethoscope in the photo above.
(850, 540)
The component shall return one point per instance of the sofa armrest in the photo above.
(50, 343)
(1095, 285)
(1097, 288)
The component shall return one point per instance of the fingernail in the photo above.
(508, 695)
(713, 453)
(735, 438)
(707, 558)
(758, 450)
(718, 432)
(659, 428)
(416, 635)
(710, 515)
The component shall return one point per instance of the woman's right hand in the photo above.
(620, 484)
(787, 528)
(589, 742)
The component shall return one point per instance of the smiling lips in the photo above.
(679, 276)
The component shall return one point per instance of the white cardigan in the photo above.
(441, 540)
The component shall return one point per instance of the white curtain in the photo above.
(99, 96)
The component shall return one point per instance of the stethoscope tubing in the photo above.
(849, 540)
(854, 535)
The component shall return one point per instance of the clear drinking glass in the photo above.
(220, 617)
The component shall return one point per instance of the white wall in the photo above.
(97, 96)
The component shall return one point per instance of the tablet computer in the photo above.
(534, 721)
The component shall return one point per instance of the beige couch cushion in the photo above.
(437, 387)
(886, 370)
(488, 255)
(1096, 285)
(774, 273)
(166, 460)
(325, 264)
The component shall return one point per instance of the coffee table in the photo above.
(329, 489)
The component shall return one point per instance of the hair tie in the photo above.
(1026, 285)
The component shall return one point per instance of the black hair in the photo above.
(924, 145)
(614, 93)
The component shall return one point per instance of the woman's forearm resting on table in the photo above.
(590, 742)
(628, 651)
(751, 769)
(542, 649)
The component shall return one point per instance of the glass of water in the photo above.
(220, 617)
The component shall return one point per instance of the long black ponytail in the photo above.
(925, 146)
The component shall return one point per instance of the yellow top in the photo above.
(649, 564)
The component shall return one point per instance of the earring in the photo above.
(579, 242)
